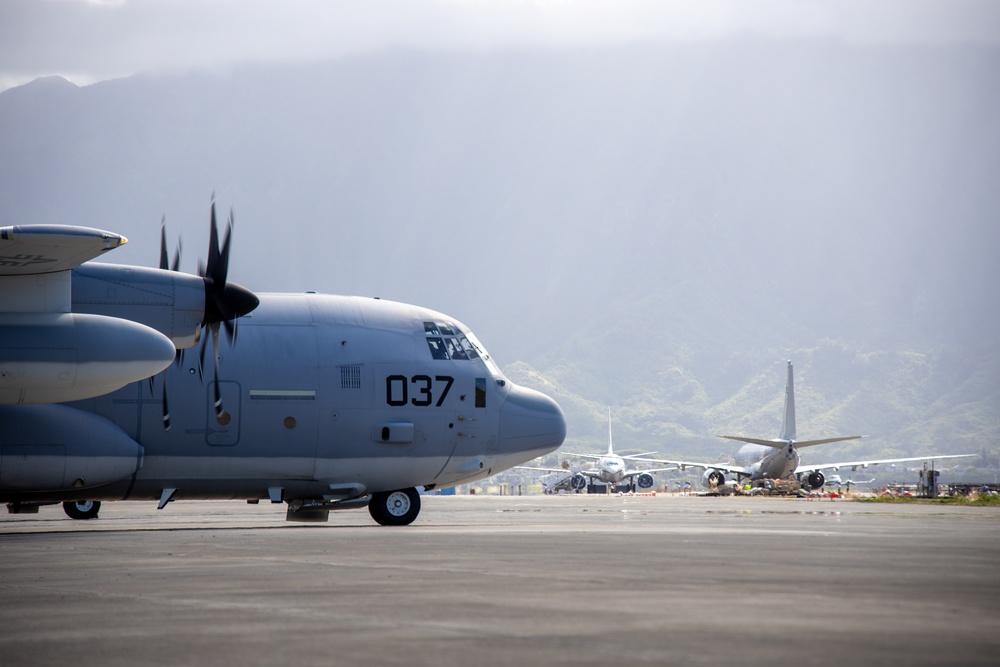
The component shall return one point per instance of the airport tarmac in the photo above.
(506, 580)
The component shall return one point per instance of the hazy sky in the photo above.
(91, 40)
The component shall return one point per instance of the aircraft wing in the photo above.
(740, 470)
(633, 473)
(593, 474)
(544, 469)
(50, 248)
(854, 465)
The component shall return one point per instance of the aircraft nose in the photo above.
(531, 425)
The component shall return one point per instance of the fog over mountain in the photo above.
(652, 227)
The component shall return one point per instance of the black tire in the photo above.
(82, 509)
(395, 508)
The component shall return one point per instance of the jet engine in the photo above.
(713, 479)
(578, 482)
(812, 480)
(645, 481)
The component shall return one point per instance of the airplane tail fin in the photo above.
(787, 434)
(788, 424)
(610, 450)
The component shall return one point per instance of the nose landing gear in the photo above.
(395, 508)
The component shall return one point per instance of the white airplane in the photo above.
(323, 403)
(779, 458)
(611, 469)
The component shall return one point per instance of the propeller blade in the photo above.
(163, 399)
(176, 264)
(166, 408)
(231, 327)
(218, 393)
(222, 270)
(213, 247)
(163, 242)
(218, 402)
(201, 362)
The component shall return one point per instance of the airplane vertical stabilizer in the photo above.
(788, 425)
(611, 451)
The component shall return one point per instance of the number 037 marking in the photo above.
(398, 389)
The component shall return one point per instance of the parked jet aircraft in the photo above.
(323, 402)
(611, 469)
(779, 458)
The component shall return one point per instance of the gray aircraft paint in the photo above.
(282, 433)
(322, 401)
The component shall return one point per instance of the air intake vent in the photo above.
(350, 377)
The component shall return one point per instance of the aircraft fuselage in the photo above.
(323, 397)
(768, 462)
(612, 469)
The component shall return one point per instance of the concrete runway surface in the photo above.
(581, 580)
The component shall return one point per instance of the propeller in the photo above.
(225, 302)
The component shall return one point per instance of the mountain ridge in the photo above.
(655, 228)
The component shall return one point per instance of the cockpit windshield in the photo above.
(446, 340)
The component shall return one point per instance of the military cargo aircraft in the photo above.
(317, 401)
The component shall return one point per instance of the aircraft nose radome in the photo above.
(530, 422)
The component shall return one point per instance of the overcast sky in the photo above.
(92, 40)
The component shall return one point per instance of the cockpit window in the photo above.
(470, 349)
(455, 350)
(438, 350)
(447, 341)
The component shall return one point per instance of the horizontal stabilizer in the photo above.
(809, 443)
(756, 441)
(798, 443)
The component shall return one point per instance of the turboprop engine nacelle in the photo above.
(812, 480)
(645, 481)
(713, 479)
(59, 448)
(171, 302)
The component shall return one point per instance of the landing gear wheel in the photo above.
(82, 509)
(395, 508)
